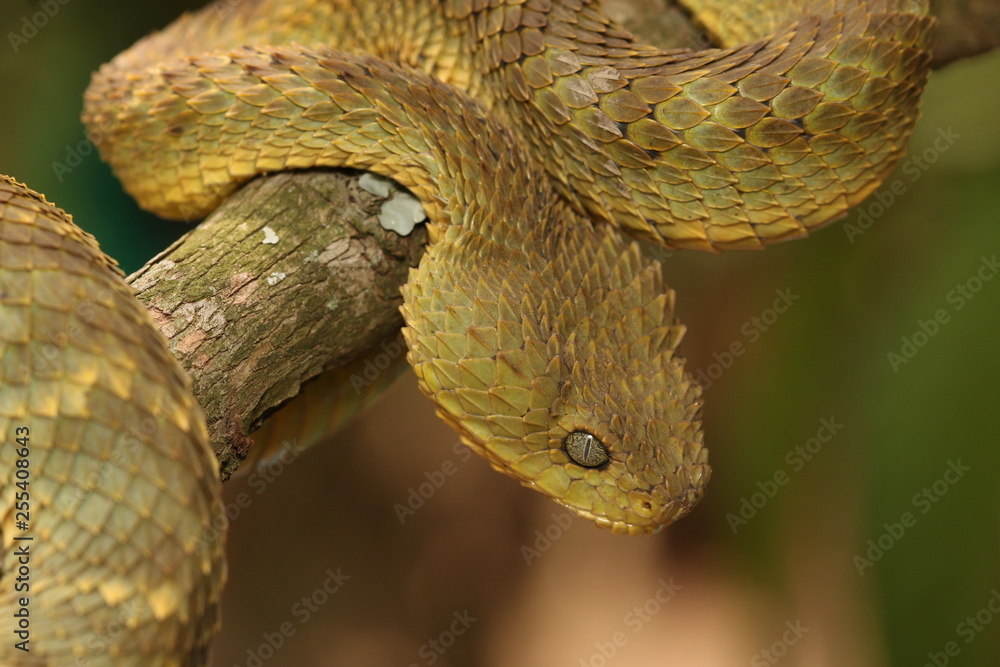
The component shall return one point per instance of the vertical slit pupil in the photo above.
(585, 449)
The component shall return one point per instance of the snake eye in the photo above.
(585, 449)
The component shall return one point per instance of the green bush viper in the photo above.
(539, 135)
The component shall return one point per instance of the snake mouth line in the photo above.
(618, 527)
(540, 138)
(666, 516)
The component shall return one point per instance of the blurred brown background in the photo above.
(782, 588)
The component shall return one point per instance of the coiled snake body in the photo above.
(535, 132)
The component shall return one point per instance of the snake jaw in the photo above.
(525, 323)
(657, 468)
(640, 512)
(635, 512)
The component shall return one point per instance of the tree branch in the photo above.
(306, 280)
(291, 276)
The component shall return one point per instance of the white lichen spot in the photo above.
(375, 184)
(401, 213)
(311, 257)
(270, 238)
(275, 278)
(333, 304)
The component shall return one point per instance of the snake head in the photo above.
(556, 362)
(625, 439)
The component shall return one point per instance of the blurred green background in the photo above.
(792, 559)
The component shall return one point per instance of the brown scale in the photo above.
(536, 133)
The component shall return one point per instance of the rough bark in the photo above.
(252, 318)
(305, 280)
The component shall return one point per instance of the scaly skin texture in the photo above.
(530, 318)
(524, 321)
(120, 489)
(724, 148)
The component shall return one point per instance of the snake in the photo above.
(543, 140)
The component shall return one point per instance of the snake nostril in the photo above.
(585, 449)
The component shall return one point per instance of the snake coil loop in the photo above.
(536, 134)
